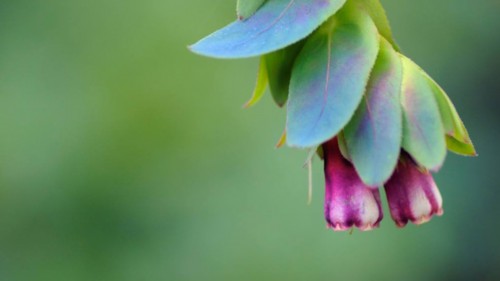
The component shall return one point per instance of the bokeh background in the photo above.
(125, 157)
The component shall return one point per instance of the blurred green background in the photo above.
(125, 157)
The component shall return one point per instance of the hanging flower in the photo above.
(348, 201)
(412, 194)
(336, 67)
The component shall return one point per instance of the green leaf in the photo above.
(246, 8)
(343, 146)
(279, 69)
(373, 135)
(281, 142)
(457, 137)
(423, 131)
(320, 152)
(453, 125)
(379, 17)
(260, 86)
(459, 147)
(329, 77)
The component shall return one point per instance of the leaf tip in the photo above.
(249, 104)
(282, 141)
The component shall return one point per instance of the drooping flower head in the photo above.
(347, 88)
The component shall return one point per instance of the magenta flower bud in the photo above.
(348, 201)
(412, 193)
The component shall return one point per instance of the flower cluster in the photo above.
(411, 193)
(377, 118)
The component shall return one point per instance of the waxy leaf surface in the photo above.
(373, 135)
(275, 25)
(423, 131)
(246, 8)
(329, 77)
(279, 69)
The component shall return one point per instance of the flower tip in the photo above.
(419, 220)
(426, 218)
(401, 224)
(422, 220)
(339, 227)
(369, 227)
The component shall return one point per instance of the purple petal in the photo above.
(348, 201)
(412, 193)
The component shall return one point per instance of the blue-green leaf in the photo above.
(329, 77)
(373, 135)
(279, 69)
(423, 131)
(275, 25)
(246, 8)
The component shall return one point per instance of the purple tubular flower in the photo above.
(412, 193)
(348, 201)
